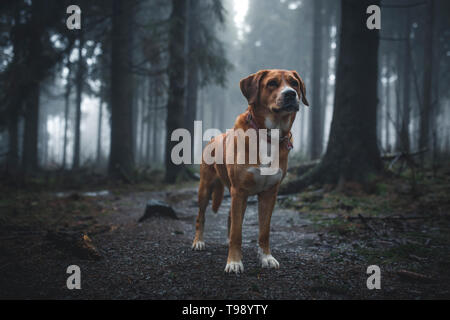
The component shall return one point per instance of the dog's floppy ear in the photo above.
(250, 86)
(302, 88)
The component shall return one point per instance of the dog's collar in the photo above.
(286, 138)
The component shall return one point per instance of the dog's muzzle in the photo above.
(289, 101)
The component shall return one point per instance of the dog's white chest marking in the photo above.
(265, 180)
(273, 124)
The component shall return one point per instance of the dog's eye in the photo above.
(294, 83)
(272, 83)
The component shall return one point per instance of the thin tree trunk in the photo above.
(30, 141)
(15, 101)
(387, 106)
(99, 130)
(176, 100)
(121, 160)
(404, 130)
(66, 115)
(13, 142)
(31, 133)
(143, 111)
(151, 130)
(156, 128)
(316, 132)
(44, 141)
(79, 92)
(426, 111)
(192, 68)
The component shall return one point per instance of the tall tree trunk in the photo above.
(134, 117)
(12, 159)
(192, 79)
(151, 130)
(31, 133)
(66, 115)
(404, 129)
(99, 130)
(352, 153)
(43, 150)
(424, 134)
(156, 129)
(387, 106)
(327, 40)
(30, 140)
(79, 92)
(121, 160)
(15, 101)
(316, 132)
(143, 109)
(176, 99)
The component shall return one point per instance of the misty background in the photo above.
(139, 69)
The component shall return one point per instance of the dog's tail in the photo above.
(217, 195)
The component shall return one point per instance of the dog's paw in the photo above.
(268, 261)
(234, 266)
(198, 245)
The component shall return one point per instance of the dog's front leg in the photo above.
(266, 203)
(238, 206)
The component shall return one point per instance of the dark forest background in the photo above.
(85, 123)
(104, 99)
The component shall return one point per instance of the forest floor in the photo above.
(324, 241)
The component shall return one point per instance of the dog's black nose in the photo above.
(290, 94)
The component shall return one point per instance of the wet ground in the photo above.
(323, 252)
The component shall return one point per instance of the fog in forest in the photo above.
(65, 79)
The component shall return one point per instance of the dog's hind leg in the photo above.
(228, 227)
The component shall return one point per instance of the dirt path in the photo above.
(153, 259)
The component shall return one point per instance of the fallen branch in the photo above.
(361, 217)
(407, 157)
(413, 275)
(389, 157)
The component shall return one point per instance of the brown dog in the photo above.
(273, 101)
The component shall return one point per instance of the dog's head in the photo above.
(276, 91)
